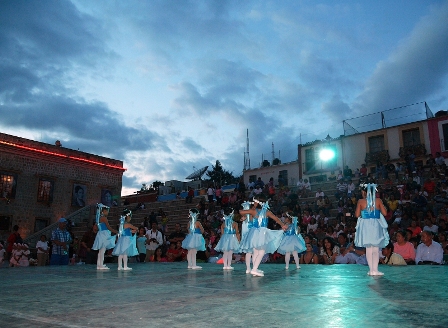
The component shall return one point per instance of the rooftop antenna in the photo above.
(273, 154)
(246, 154)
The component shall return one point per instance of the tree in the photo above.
(276, 161)
(220, 176)
(266, 163)
(156, 184)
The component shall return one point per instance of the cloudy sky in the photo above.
(167, 86)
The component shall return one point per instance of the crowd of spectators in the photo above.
(415, 197)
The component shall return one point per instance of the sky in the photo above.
(169, 87)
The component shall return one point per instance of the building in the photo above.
(40, 183)
(385, 145)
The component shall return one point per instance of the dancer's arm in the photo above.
(106, 222)
(276, 219)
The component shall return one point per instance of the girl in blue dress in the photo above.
(230, 239)
(126, 244)
(103, 240)
(245, 247)
(292, 242)
(371, 229)
(260, 238)
(194, 241)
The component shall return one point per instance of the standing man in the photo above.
(91, 255)
(153, 240)
(61, 240)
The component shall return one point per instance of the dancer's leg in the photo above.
(229, 260)
(257, 260)
(287, 259)
(125, 263)
(189, 258)
(100, 261)
(248, 259)
(296, 259)
(120, 258)
(376, 259)
(196, 267)
(369, 251)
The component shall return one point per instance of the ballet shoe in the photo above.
(224, 268)
(120, 269)
(196, 267)
(127, 269)
(247, 271)
(286, 267)
(230, 268)
(190, 267)
(257, 273)
(298, 267)
(377, 273)
(103, 268)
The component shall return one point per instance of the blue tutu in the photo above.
(103, 238)
(126, 244)
(194, 241)
(228, 242)
(264, 238)
(371, 230)
(245, 245)
(291, 243)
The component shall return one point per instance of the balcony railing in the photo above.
(418, 150)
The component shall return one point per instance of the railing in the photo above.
(80, 215)
(379, 156)
(417, 150)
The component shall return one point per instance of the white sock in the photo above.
(125, 261)
(120, 258)
(369, 251)
(296, 258)
(193, 257)
(100, 260)
(248, 258)
(229, 259)
(258, 258)
(287, 258)
(190, 261)
(375, 258)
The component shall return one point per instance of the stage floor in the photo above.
(170, 295)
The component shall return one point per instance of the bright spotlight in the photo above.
(326, 154)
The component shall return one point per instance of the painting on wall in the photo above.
(79, 195)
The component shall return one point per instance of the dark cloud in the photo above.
(415, 71)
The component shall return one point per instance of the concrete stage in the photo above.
(169, 295)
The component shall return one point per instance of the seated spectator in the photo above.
(319, 193)
(363, 171)
(306, 188)
(42, 251)
(415, 229)
(347, 251)
(404, 248)
(341, 189)
(182, 251)
(347, 173)
(428, 251)
(87, 254)
(158, 255)
(429, 226)
(312, 226)
(443, 242)
(309, 257)
(391, 258)
(329, 251)
(439, 160)
(173, 254)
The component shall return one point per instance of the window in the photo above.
(45, 191)
(40, 223)
(310, 159)
(8, 183)
(376, 144)
(411, 137)
(5, 223)
(445, 137)
(283, 178)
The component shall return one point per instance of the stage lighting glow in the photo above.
(326, 154)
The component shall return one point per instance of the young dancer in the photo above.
(292, 242)
(126, 244)
(230, 238)
(245, 247)
(371, 229)
(103, 239)
(262, 239)
(194, 241)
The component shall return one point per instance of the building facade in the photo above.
(382, 145)
(40, 183)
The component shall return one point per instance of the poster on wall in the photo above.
(106, 197)
(79, 195)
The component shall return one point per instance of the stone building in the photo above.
(40, 183)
